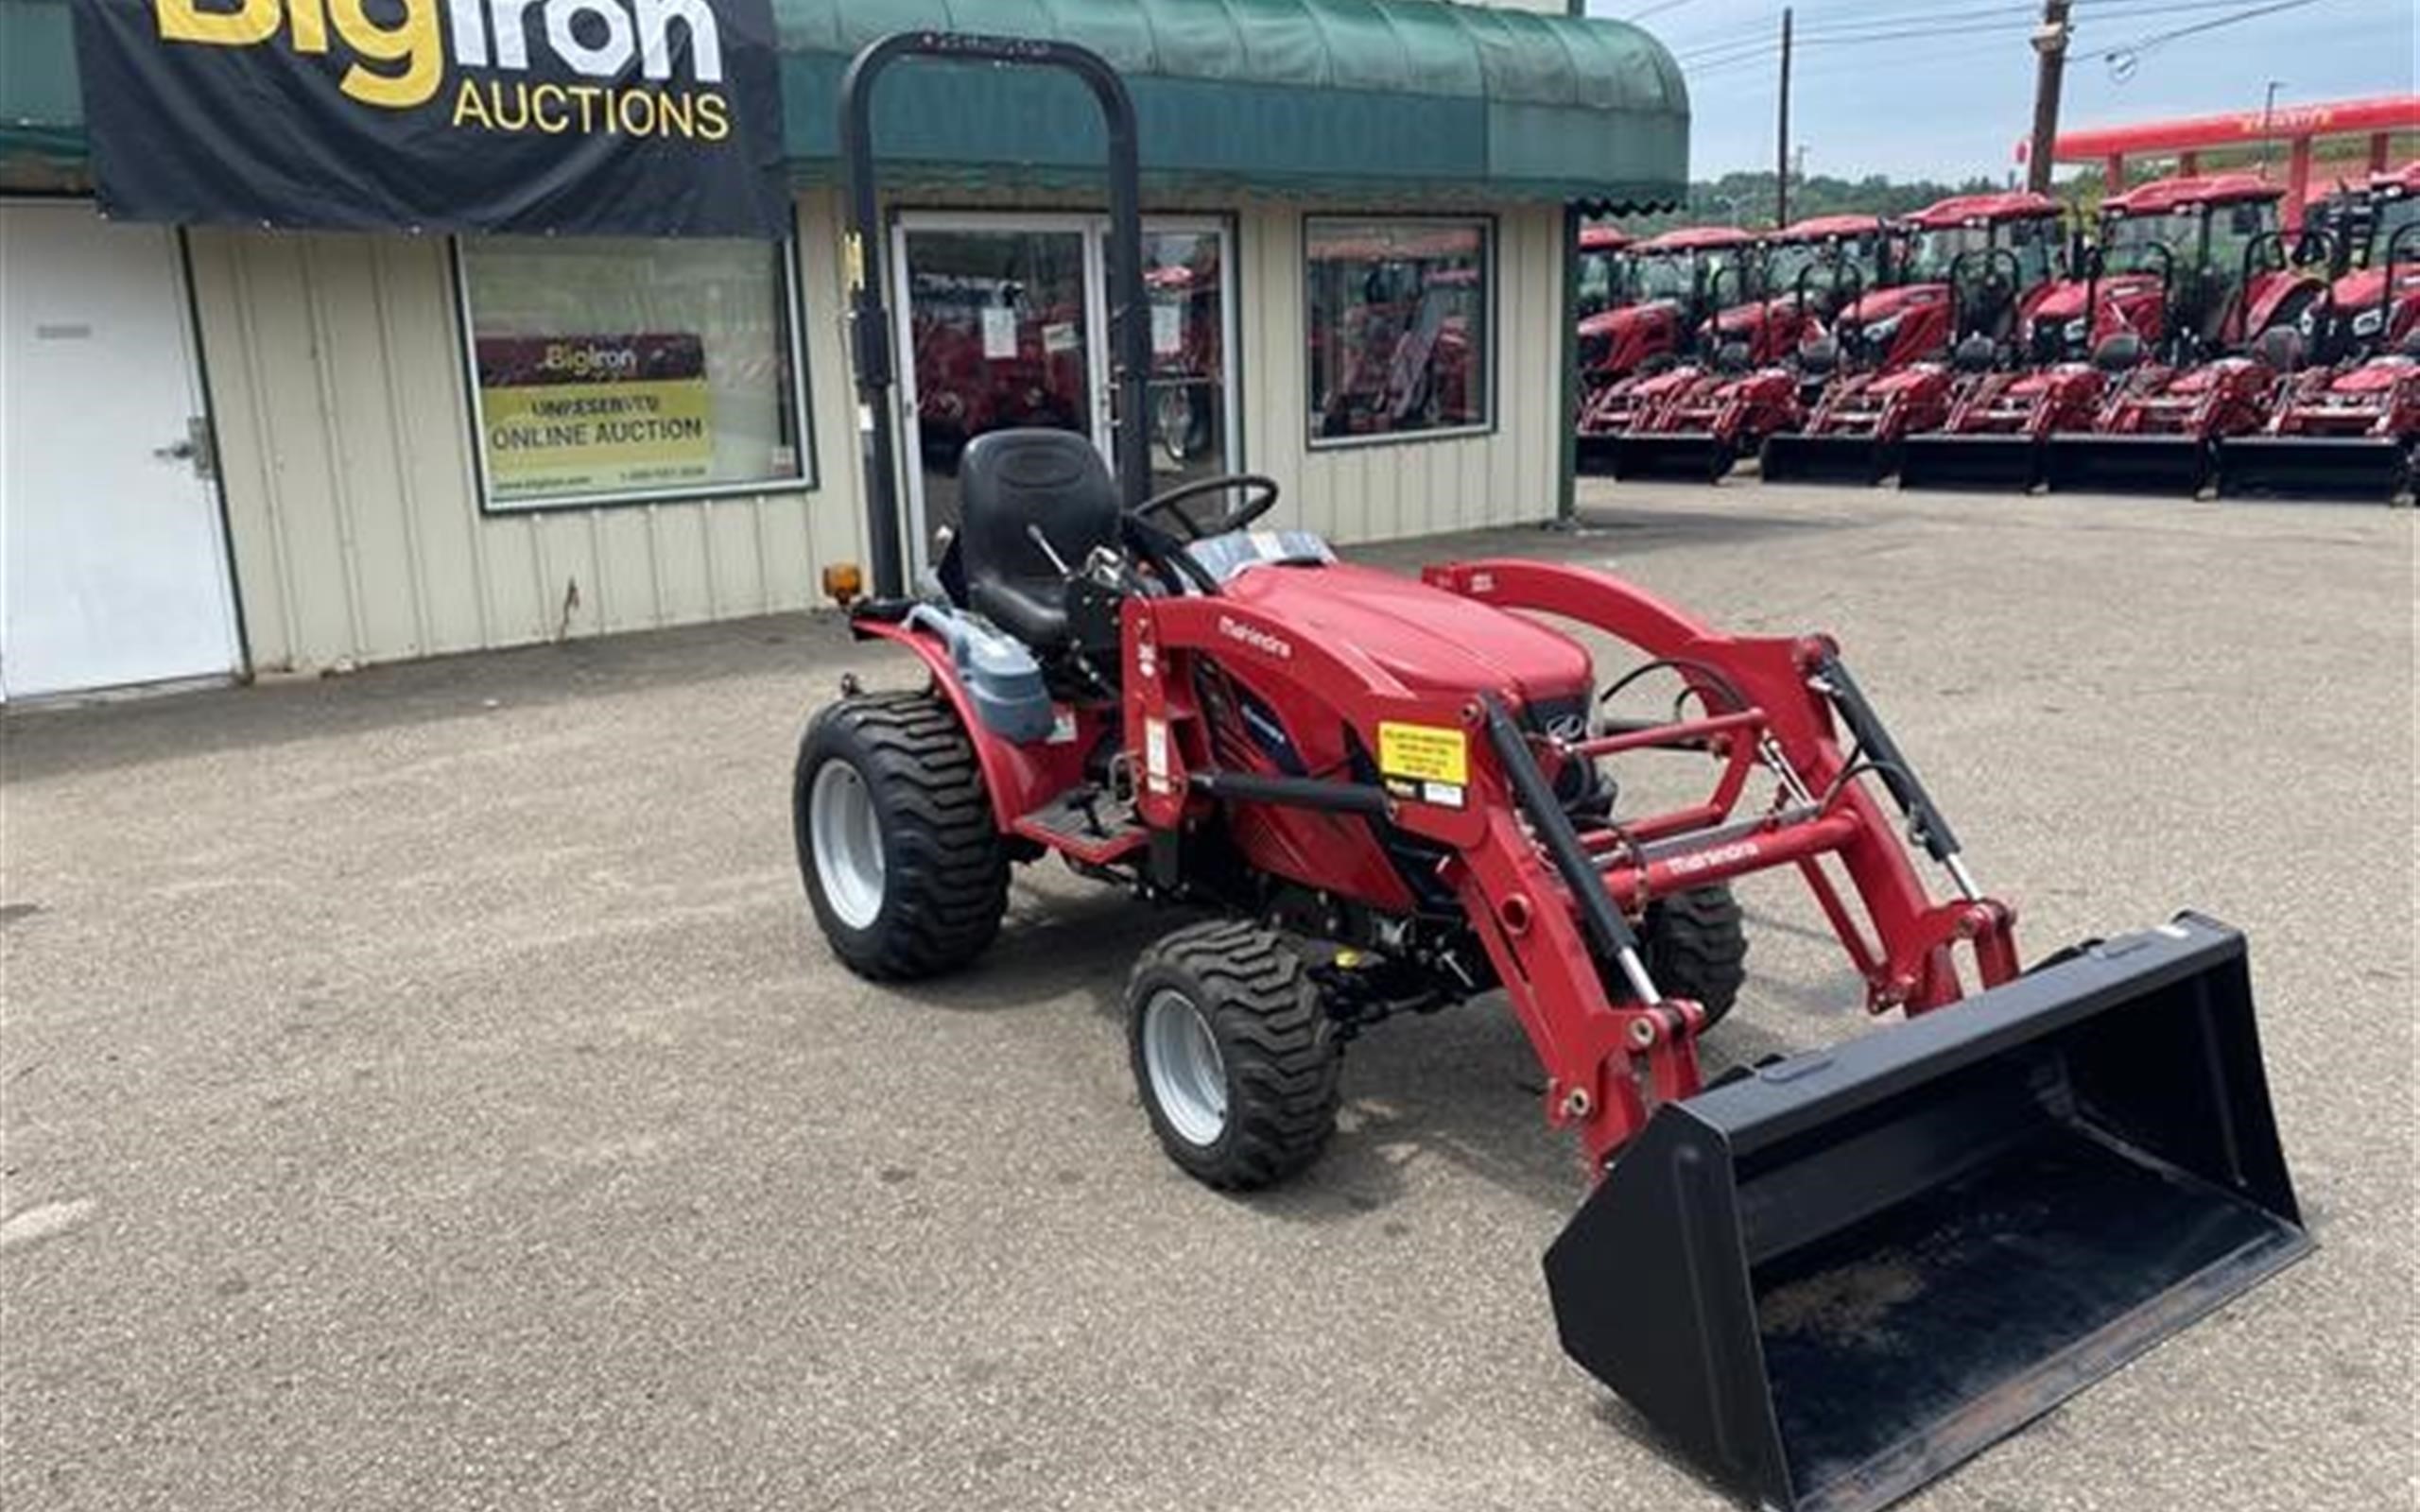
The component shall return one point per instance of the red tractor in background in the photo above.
(1972, 267)
(1696, 418)
(2206, 371)
(2118, 393)
(2348, 427)
(1675, 283)
(2374, 304)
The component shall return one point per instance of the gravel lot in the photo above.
(426, 1089)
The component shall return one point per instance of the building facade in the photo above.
(234, 451)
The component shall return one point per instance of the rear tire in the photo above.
(1233, 1055)
(904, 867)
(1696, 947)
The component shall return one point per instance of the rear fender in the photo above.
(1019, 778)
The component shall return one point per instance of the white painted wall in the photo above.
(336, 372)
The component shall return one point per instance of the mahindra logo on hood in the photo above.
(1259, 639)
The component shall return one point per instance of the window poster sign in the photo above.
(649, 117)
(593, 415)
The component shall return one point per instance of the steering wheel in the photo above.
(1259, 497)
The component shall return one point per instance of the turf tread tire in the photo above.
(1281, 1055)
(945, 882)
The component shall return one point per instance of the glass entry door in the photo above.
(997, 330)
(1000, 327)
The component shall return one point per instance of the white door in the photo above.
(115, 568)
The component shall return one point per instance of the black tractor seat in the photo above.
(1010, 479)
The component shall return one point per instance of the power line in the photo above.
(1971, 20)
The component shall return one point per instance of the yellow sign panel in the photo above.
(597, 437)
(1427, 754)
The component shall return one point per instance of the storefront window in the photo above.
(1398, 313)
(609, 369)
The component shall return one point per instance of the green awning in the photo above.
(41, 112)
(1400, 98)
(1404, 99)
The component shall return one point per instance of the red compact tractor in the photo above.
(2184, 269)
(2349, 428)
(1374, 797)
(1974, 267)
(1694, 420)
(1674, 282)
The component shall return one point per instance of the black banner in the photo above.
(650, 118)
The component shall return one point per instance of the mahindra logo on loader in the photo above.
(1689, 863)
(1259, 639)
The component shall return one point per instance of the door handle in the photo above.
(192, 448)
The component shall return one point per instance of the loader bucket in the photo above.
(1833, 1279)
(1594, 456)
(2126, 464)
(1791, 458)
(2312, 467)
(1978, 459)
(1692, 455)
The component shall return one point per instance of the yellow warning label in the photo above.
(1431, 753)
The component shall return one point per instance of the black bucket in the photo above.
(1791, 458)
(1834, 1280)
(1693, 456)
(1970, 459)
(1592, 456)
(2178, 465)
(2355, 467)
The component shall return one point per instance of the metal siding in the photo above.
(337, 381)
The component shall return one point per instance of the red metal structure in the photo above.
(2297, 126)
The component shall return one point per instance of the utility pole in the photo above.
(2268, 120)
(1781, 166)
(2050, 41)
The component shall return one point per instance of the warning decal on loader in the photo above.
(1425, 753)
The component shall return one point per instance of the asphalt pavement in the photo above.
(425, 1089)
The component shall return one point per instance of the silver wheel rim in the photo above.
(1188, 1076)
(848, 843)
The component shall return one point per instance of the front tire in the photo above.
(1236, 1060)
(902, 864)
(1696, 947)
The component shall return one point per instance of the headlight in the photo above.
(2368, 321)
(2076, 330)
(1881, 330)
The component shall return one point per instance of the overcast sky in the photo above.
(1952, 94)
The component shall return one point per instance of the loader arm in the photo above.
(1550, 901)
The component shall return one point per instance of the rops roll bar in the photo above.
(870, 318)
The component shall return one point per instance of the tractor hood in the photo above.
(2064, 300)
(1613, 322)
(2363, 288)
(1429, 640)
(1886, 304)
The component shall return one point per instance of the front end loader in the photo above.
(2159, 429)
(1829, 1277)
